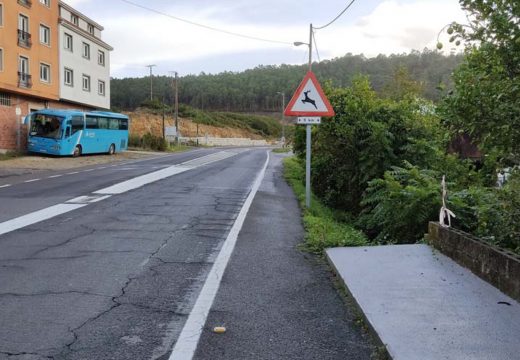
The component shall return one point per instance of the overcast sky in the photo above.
(370, 27)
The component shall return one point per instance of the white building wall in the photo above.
(75, 61)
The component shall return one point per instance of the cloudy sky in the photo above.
(370, 27)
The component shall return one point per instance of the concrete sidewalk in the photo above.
(422, 305)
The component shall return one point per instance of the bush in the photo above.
(399, 206)
(148, 141)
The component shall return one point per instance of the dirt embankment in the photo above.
(143, 122)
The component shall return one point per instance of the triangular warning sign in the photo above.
(309, 99)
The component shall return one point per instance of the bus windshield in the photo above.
(47, 126)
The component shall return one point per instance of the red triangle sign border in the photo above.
(298, 93)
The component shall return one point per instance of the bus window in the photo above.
(77, 124)
(92, 122)
(47, 126)
(123, 124)
(102, 123)
(113, 124)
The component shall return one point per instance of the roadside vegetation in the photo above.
(9, 155)
(324, 227)
(379, 162)
(153, 143)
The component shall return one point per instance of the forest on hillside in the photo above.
(256, 90)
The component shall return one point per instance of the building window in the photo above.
(68, 77)
(101, 87)
(26, 3)
(67, 42)
(24, 79)
(46, 2)
(45, 35)
(74, 19)
(91, 29)
(24, 38)
(86, 82)
(45, 73)
(5, 99)
(101, 58)
(86, 51)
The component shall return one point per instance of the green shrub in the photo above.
(399, 206)
(152, 142)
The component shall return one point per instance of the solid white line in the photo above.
(72, 173)
(55, 176)
(186, 344)
(88, 170)
(37, 216)
(32, 180)
(4, 186)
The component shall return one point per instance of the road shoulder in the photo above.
(275, 301)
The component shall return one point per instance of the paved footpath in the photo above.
(275, 301)
(424, 306)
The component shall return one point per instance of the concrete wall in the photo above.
(497, 266)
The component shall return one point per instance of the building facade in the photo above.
(84, 60)
(32, 64)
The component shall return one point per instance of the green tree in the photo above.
(485, 102)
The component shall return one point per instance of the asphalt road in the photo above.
(118, 276)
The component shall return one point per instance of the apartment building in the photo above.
(40, 67)
(84, 60)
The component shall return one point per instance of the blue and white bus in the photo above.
(74, 132)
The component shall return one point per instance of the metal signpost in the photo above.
(309, 104)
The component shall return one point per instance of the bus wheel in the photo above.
(77, 151)
(112, 149)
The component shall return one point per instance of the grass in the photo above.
(323, 229)
(10, 155)
(282, 150)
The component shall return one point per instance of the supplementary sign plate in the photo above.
(309, 120)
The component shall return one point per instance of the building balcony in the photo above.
(26, 3)
(24, 39)
(24, 80)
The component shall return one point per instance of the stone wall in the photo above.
(499, 267)
(214, 141)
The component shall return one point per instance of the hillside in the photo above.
(256, 90)
(213, 124)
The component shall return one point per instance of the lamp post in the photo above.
(308, 129)
(283, 117)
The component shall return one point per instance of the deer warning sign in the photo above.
(309, 99)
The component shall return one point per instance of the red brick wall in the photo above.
(8, 119)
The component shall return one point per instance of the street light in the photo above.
(283, 117)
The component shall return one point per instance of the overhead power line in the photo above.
(336, 18)
(207, 27)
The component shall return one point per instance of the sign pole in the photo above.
(309, 104)
(309, 132)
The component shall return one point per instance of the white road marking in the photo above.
(142, 180)
(101, 168)
(32, 180)
(37, 216)
(72, 173)
(4, 186)
(87, 199)
(88, 170)
(186, 344)
(55, 176)
(81, 201)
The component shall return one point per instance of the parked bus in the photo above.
(74, 132)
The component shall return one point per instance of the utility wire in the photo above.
(206, 26)
(336, 18)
